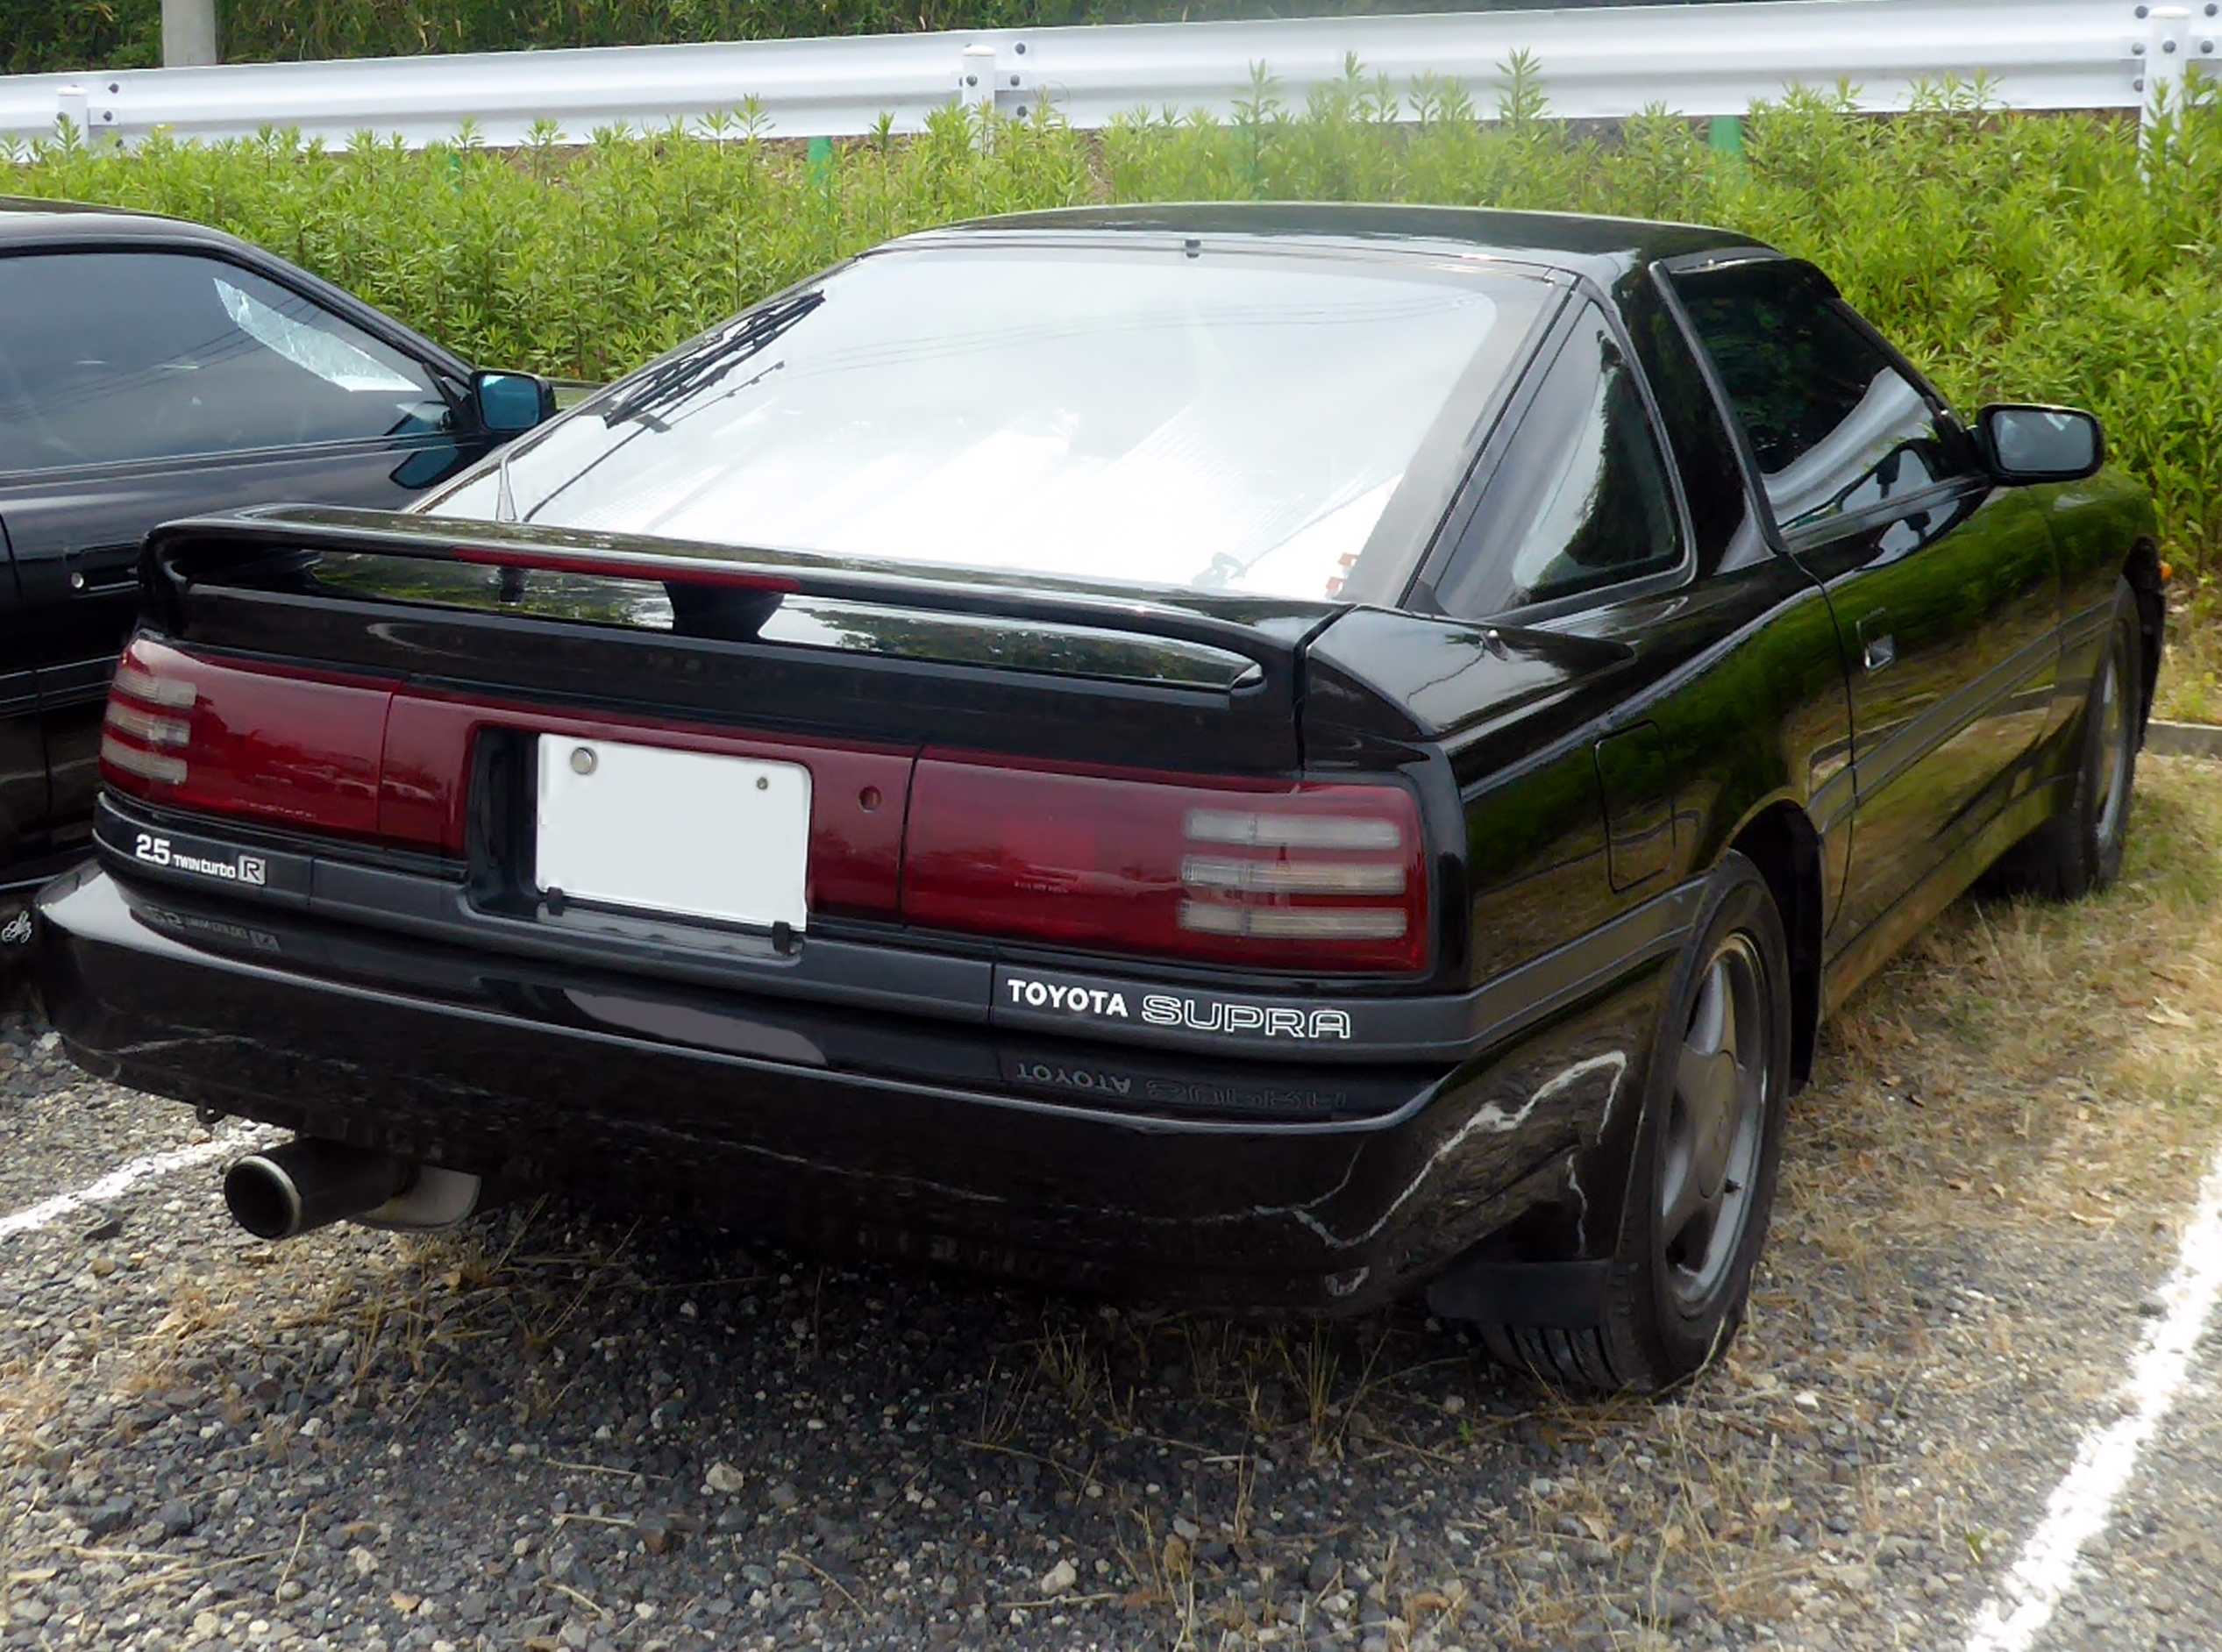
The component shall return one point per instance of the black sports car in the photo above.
(151, 368)
(1264, 755)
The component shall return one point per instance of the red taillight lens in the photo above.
(195, 734)
(1326, 877)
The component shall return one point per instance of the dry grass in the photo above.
(2022, 1052)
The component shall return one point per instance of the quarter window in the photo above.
(109, 357)
(1836, 427)
(1581, 498)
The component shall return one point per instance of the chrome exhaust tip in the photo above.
(309, 1183)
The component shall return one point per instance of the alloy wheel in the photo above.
(2114, 746)
(1716, 1125)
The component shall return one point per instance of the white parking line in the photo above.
(2082, 1503)
(50, 1211)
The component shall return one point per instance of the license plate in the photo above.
(686, 832)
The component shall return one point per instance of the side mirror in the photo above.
(509, 402)
(2040, 443)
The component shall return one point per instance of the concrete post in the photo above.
(188, 33)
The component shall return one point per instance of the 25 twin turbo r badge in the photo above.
(160, 851)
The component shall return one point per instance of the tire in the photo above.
(2080, 849)
(1682, 1269)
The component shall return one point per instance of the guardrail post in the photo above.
(72, 108)
(976, 87)
(2167, 34)
(976, 79)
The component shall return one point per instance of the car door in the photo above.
(143, 384)
(1943, 585)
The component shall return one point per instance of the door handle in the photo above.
(104, 569)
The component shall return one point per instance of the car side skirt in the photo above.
(1864, 953)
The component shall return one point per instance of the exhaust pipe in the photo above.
(309, 1182)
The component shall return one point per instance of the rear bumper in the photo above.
(1157, 1173)
(24, 879)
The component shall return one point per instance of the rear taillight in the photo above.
(195, 734)
(1328, 877)
(1322, 876)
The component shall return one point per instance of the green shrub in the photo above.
(2013, 256)
(38, 35)
(80, 34)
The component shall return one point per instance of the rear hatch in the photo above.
(989, 798)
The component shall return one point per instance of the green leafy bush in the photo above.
(37, 35)
(82, 34)
(2014, 256)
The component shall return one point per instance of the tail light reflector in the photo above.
(1273, 875)
(194, 733)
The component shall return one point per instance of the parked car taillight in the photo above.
(1325, 876)
(1328, 877)
(195, 734)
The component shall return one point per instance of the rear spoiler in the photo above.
(1231, 643)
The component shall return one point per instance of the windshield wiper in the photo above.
(678, 378)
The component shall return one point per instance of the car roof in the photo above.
(24, 218)
(1603, 248)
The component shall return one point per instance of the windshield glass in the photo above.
(1224, 420)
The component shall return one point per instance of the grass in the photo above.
(2190, 685)
(2065, 1025)
(2014, 256)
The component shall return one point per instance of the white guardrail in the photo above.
(1694, 59)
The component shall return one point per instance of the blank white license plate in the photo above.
(719, 837)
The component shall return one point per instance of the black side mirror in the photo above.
(509, 402)
(2040, 443)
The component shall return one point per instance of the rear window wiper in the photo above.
(678, 378)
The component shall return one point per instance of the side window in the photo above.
(1835, 424)
(1581, 497)
(160, 355)
(1697, 433)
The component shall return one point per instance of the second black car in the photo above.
(153, 368)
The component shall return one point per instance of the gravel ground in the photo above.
(562, 1429)
(68, 1130)
(2160, 1566)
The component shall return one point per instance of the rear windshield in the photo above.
(1220, 420)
